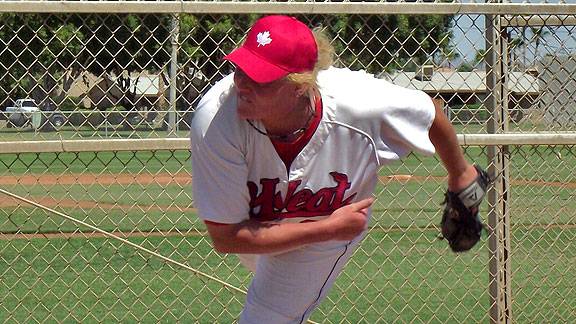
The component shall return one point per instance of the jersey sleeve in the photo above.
(219, 169)
(406, 121)
(397, 119)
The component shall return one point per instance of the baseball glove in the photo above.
(461, 224)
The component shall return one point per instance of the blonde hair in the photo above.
(325, 59)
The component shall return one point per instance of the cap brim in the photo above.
(255, 67)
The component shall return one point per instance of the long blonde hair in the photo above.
(325, 59)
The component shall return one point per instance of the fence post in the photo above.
(498, 217)
(174, 31)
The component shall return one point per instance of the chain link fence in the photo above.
(96, 100)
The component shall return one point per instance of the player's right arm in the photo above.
(251, 236)
(442, 134)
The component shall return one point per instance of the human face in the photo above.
(268, 102)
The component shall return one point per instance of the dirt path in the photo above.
(102, 179)
(517, 182)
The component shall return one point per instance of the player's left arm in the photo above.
(443, 136)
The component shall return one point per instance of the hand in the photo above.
(349, 221)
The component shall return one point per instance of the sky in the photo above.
(468, 34)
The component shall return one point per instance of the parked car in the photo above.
(21, 113)
(26, 111)
(55, 118)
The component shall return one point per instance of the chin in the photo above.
(247, 113)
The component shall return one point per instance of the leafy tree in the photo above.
(204, 40)
(521, 42)
(116, 46)
(379, 43)
(448, 55)
(50, 50)
(480, 58)
(477, 63)
(20, 48)
(43, 54)
(538, 34)
(516, 45)
(465, 67)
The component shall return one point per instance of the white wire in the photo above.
(143, 249)
(136, 246)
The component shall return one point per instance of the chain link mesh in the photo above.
(73, 76)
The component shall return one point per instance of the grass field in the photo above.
(402, 273)
(101, 280)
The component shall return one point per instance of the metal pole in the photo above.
(504, 186)
(172, 126)
(498, 217)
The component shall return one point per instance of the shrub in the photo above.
(71, 104)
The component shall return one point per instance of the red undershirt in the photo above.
(289, 150)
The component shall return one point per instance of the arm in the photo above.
(443, 136)
(251, 236)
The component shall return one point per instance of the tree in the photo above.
(19, 51)
(538, 35)
(514, 47)
(204, 40)
(51, 50)
(477, 63)
(385, 42)
(48, 52)
(446, 56)
(480, 58)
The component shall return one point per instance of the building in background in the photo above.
(465, 92)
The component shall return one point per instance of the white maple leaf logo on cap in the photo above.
(263, 38)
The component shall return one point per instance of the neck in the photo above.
(295, 122)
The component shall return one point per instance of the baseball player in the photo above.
(285, 154)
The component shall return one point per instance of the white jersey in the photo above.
(366, 123)
(237, 174)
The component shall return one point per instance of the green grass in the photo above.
(402, 273)
(125, 195)
(92, 162)
(85, 133)
(413, 278)
(99, 280)
(156, 207)
(414, 270)
(28, 220)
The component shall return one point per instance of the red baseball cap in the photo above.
(274, 47)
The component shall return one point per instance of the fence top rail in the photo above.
(228, 7)
(164, 144)
(517, 139)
